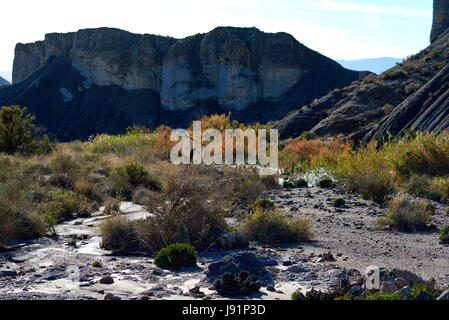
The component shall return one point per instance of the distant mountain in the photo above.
(376, 65)
(3, 82)
(7, 75)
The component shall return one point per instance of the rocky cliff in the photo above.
(440, 18)
(102, 80)
(362, 108)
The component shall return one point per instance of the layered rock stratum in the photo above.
(103, 80)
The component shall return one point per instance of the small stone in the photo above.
(287, 263)
(107, 280)
(271, 288)
(111, 297)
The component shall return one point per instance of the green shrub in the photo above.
(131, 176)
(272, 227)
(301, 183)
(436, 53)
(407, 214)
(421, 288)
(264, 203)
(346, 297)
(308, 135)
(431, 195)
(326, 183)
(97, 264)
(176, 256)
(339, 203)
(444, 235)
(288, 184)
(297, 295)
(19, 134)
(384, 296)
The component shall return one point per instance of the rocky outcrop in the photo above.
(259, 76)
(357, 109)
(440, 18)
(3, 82)
(427, 111)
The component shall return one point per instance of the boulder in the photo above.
(236, 263)
(231, 241)
(231, 285)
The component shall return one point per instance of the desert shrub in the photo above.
(419, 289)
(270, 182)
(122, 144)
(441, 185)
(424, 193)
(176, 255)
(272, 227)
(365, 173)
(118, 233)
(68, 203)
(18, 219)
(304, 155)
(338, 203)
(131, 176)
(436, 53)
(415, 182)
(141, 195)
(387, 109)
(112, 206)
(85, 187)
(301, 183)
(308, 135)
(188, 210)
(264, 203)
(421, 154)
(97, 264)
(19, 134)
(407, 214)
(85, 208)
(297, 295)
(288, 184)
(444, 235)
(346, 297)
(384, 296)
(326, 183)
(64, 164)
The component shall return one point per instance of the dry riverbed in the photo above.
(61, 268)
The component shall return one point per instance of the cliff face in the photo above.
(440, 18)
(103, 80)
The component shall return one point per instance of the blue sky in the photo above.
(340, 29)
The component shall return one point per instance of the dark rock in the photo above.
(235, 263)
(231, 241)
(230, 285)
(111, 297)
(8, 273)
(271, 288)
(107, 280)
